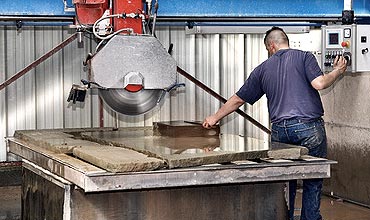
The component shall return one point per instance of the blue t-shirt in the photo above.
(286, 78)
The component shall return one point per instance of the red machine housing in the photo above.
(127, 7)
(89, 11)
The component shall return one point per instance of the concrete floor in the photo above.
(336, 209)
(331, 209)
(10, 200)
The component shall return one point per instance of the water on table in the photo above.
(144, 140)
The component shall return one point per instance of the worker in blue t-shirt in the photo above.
(290, 79)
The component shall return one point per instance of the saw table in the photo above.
(74, 174)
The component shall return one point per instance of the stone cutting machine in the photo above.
(88, 174)
(130, 67)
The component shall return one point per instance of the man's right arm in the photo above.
(326, 80)
(231, 105)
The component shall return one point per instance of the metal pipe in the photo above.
(36, 23)
(348, 5)
(248, 19)
(348, 15)
(101, 112)
(116, 121)
(38, 61)
(239, 24)
(35, 18)
(222, 99)
(155, 17)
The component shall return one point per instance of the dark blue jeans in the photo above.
(310, 134)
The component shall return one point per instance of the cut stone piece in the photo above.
(117, 159)
(286, 151)
(54, 140)
(184, 129)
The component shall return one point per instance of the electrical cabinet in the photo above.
(350, 41)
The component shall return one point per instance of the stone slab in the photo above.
(109, 158)
(285, 151)
(57, 159)
(141, 149)
(117, 159)
(184, 129)
(53, 140)
(191, 160)
(192, 151)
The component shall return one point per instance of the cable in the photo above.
(101, 19)
(156, 5)
(129, 30)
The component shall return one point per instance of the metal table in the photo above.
(61, 186)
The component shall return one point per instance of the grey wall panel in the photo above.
(255, 54)
(81, 114)
(20, 96)
(38, 99)
(347, 106)
(48, 80)
(3, 101)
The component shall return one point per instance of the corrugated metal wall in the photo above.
(38, 100)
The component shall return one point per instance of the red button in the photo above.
(345, 44)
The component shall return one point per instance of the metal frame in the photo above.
(193, 10)
(244, 28)
(38, 61)
(94, 179)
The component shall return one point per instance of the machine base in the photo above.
(46, 197)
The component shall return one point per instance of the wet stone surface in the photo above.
(149, 148)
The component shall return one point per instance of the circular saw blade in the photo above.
(129, 103)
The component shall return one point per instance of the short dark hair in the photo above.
(274, 28)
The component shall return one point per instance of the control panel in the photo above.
(350, 41)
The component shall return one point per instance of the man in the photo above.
(290, 79)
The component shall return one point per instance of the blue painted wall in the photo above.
(35, 7)
(260, 8)
(205, 8)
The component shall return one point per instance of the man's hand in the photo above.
(231, 105)
(340, 64)
(209, 121)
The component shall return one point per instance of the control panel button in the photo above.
(345, 44)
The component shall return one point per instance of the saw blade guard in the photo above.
(135, 71)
